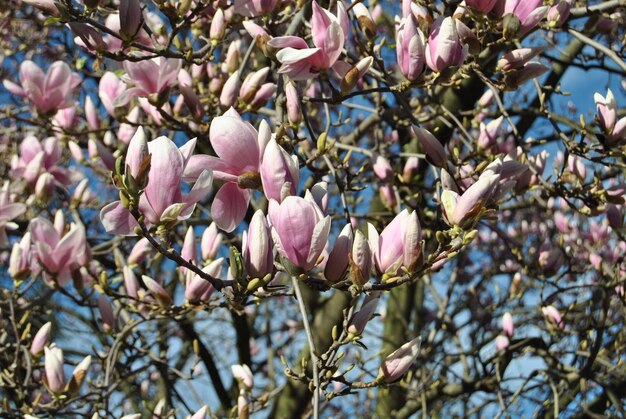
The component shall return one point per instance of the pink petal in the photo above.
(117, 219)
(229, 206)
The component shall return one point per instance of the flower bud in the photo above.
(502, 342)
(507, 324)
(432, 147)
(553, 316)
(243, 375)
(41, 339)
(337, 261)
(230, 91)
(398, 363)
(218, 26)
(357, 323)
(131, 18)
(361, 259)
(55, 376)
(258, 251)
(211, 242)
(293, 104)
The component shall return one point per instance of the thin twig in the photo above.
(309, 336)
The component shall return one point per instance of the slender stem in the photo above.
(596, 45)
(309, 336)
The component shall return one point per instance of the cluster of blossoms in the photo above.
(241, 157)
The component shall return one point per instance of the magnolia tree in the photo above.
(312, 208)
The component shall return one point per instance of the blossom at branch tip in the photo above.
(9, 211)
(243, 375)
(330, 32)
(55, 375)
(520, 16)
(444, 48)
(162, 200)
(398, 363)
(47, 92)
(338, 257)
(236, 144)
(58, 252)
(257, 247)
(398, 244)
(110, 88)
(151, 77)
(299, 229)
(410, 51)
(41, 339)
(463, 210)
(606, 114)
(280, 173)
(484, 6)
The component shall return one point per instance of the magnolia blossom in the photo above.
(257, 248)
(238, 147)
(330, 33)
(299, 230)
(58, 252)
(528, 12)
(162, 200)
(398, 363)
(410, 49)
(48, 92)
(150, 77)
(463, 210)
(444, 47)
(280, 173)
(9, 211)
(110, 88)
(398, 245)
(606, 107)
(37, 158)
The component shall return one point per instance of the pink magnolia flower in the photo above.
(398, 363)
(529, 12)
(109, 89)
(484, 6)
(48, 92)
(299, 230)
(553, 316)
(463, 210)
(21, 263)
(398, 245)
(8, 212)
(55, 376)
(329, 32)
(199, 289)
(211, 241)
(502, 342)
(410, 49)
(507, 324)
(151, 77)
(252, 8)
(41, 339)
(280, 173)
(236, 144)
(607, 118)
(162, 200)
(243, 375)
(37, 158)
(338, 258)
(257, 248)
(444, 47)
(58, 252)
(44, 5)
(359, 320)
